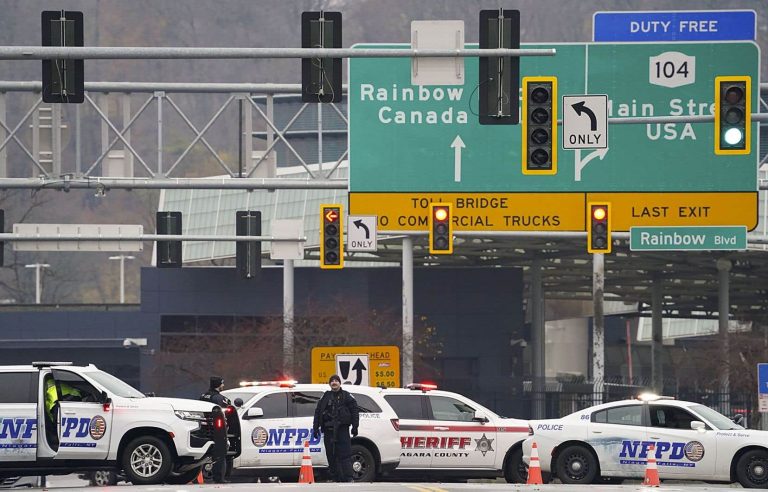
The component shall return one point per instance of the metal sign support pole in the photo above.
(407, 310)
(288, 278)
(598, 327)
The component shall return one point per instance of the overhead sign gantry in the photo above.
(404, 153)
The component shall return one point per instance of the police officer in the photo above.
(335, 413)
(222, 466)
(68, 393)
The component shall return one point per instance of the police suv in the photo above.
(612, 441)
(56, 418)
(276, 420)
(445, 434)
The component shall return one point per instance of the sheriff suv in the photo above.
(276, 420)
(445, 434)
(57, 418)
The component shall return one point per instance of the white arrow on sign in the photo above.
(581, 164)
(457, 145)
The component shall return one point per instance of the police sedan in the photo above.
(610, 442)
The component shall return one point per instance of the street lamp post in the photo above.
(122, 259)
(38, 281)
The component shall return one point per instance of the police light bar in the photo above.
(653, 397)
(280, 384)
(49, 364)
(421, 387)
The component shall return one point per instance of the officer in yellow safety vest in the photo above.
(68, 393)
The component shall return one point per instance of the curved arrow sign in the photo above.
(585, 122)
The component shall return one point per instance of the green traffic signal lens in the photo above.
(733, 136)
(441, 243)
(540, 95)
(598, 242)
(331, 257)
(539, 157)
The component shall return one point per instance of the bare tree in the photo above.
(250, 348)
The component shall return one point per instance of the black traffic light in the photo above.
(440, 229)
(733, 130)
(331, 237)
(599, 228)
(63, 80)
(499, 75)
(321, 77)
(168, 252)
(539, 125)
(248, 253)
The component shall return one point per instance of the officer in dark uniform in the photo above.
(222, 467)
(335, 412)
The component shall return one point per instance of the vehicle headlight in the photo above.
(190, 415)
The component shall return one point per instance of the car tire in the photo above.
(576, 465)
(183, 478)
(515, 470)
(752, 469)
(147, 461)
(363, 464)
(102, 478)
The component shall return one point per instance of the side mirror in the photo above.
(738, 419)
(697, 425)
(103, 397)
(480, 417)
(254, 413)
(238, 402)
(150, 394)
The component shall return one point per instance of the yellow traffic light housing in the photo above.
(599, 227)
(331, 237)
(539, 153)
(733, 129)
(440, 229)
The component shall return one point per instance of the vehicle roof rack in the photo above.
(39, 364)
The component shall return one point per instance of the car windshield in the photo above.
(717, 419)
(114, 385)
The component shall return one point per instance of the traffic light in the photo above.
(331, 237)
(248, 253)
(168, 252)
(733, 130)
(539, 125)
(499, 75)
(63, 80)
(440, 229)
(599, 228)
(321, 77)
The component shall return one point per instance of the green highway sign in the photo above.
(688, 238)
(407, 139)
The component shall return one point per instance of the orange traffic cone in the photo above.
(306, 475)
(534, 468)
(651, 472)
(199, 479)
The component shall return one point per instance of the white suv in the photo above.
(276, 421)
(98, 421)
(446, 434)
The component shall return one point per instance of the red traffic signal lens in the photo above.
(734, 94)
(441, 213)
(599, 213)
